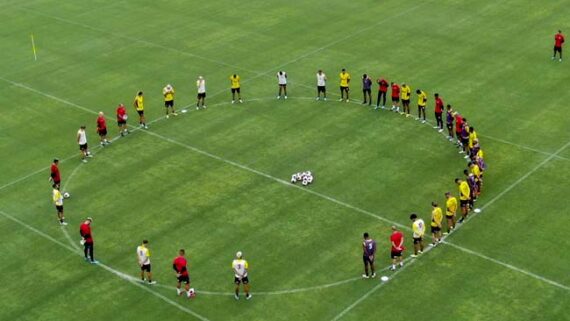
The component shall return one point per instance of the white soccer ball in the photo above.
(191, 293)
(66, 195)
(305, 182)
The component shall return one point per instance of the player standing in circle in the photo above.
(82, 142)
(139, 107)
(55, 176)
(143, 256)
(395, 97)
(558, 41)
(344, 84)
(240, 267)
(438, 113)
(180, 266)
(102, 129)
(235, 87)
(382, 90)
(58, 201)
(367, 89)
(87, 240)
(419, 229)
(168, 93)
(368, 253)
(321, 85)
(201, 86)
(436, 220)
(422, 100)
(449, 121)
(282, 83)
(464, 198)
(397, 240)
(451, 210)
(122, 119)
(406, 93)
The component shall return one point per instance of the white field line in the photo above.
(523, 146)
(107, 268)
(221, 159)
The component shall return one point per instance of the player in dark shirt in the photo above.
(368, 253)
(367, 89)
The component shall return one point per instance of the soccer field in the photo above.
(216, 181)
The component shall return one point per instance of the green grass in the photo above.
(208, 181)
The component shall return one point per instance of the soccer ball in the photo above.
(66, 195)
(191, 293)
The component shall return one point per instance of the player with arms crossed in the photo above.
(240, 267)
(168, 93)
(321, 85)
(282, 82)
(419, 229)
(143, 257)
(368, 253)
(180, 267)
(558, 41)
(235, 87)
(397, 240)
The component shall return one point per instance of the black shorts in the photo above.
(201, 95)
(59, 208)
(321, 89)
(140, 112)
(422, 107)
(145, 267)
(235, 90)
(449, 126)
(449, 217)
(558, 49)
(369, 91)
(83, 147)
(395, 99)
(243, 280)
(102, 132)
(463, 203)
(417, 240)
(121, 122)
(406, 101)
(342, 88)
(435, 229)
(366, 259)
(184, 279)
(169, 103)
(465, 141)
(395, 254)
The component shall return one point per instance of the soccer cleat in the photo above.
(553, 57)
(317, 99)
(435, 127)
(325, 99)
(204, 106)
(236, 296)
(197, 108)
(365, 276)
(175, 114)
(278, 97)
(341, 99)
(240, 101)
(560, 59)
(145, 127)
(285, 97)
(248, 296)
(383, 107)
(94, 262)
(440, 130)
(347, 100)
(421, 252)
(233, 101)
(445, 233)
(401, 264)
(376, 108)
(393, 268)
(151, 282)
(423, 121)
(373, 275)
(414, 255)
(167, 116)
(178, 291)
(63, 223)
(84, 160)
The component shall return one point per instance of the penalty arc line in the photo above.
(105, 267)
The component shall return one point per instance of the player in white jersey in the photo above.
(201, 86)
(82, 141)
(143, 256)
(321, 85)
(419, 229)
(240, 266)
(282, 81)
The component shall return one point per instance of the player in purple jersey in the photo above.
(368, 253)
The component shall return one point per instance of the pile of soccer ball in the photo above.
(305, 178)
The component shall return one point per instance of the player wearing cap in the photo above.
(180, 267)
(58, 201)
(143, 256)
(240, 267)
(419, 228)
(87, 240)
(168, 93)
(201, 86)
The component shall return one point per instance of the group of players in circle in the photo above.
(459, 131)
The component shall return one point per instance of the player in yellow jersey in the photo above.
(168, 93)
(240, 267)
(139, 107)
(236, 87)
(476, 171)
(405, 94)
(344, 84)
(436, 220)
(451, 210)
(422, 101)
(464, 198)
(58, 201)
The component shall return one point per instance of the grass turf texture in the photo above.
(491, 61)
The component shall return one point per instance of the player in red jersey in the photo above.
(438, 112)
(180, 266)
(558, 41)
(382, 90)
(102, 129)
(395, 97)
(87, 240)
(458, 127)
(55, 176)
(122, 119)
(397, 240)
